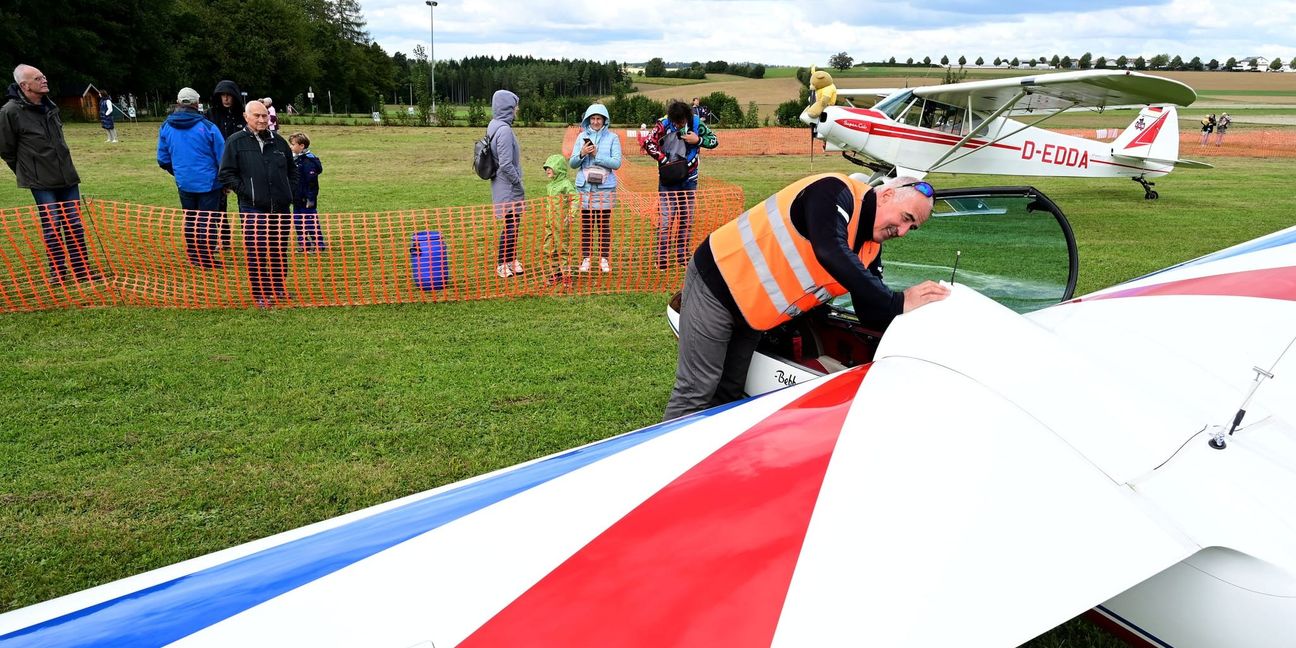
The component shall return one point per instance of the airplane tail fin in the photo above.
(1153, 135)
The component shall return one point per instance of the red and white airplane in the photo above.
(967, 127)
(983, 477)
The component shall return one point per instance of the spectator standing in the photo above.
(190, 149)
(106, 119)
(274, 114)
(562, 208)
(1208, 126)
(675, 142)
(597, 154)
(507, 192)
(701, 112)
(258, 167)
(32, 144)
(1221, 127)
(226, 111)
(310, 237)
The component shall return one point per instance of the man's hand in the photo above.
(691, 138)
(924, 293)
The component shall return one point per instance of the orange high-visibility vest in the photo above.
(770, 268)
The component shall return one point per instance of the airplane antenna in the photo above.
(1261, 374)
(957, 254)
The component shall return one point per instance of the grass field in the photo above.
(135, 438)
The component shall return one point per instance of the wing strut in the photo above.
(984, 124)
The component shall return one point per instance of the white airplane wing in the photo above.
(1089, 88)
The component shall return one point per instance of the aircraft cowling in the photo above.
(843, 131)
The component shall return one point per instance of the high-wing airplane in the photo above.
(991, 470)
(968, 127)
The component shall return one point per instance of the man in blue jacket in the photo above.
(190, 148)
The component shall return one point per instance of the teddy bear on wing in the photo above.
(824, 92)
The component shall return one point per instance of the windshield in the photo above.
(892, 106)
(1014, 249)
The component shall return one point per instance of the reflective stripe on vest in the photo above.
(770, 268)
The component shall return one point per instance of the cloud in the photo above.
(791, 33)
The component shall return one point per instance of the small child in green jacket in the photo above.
(563, 206)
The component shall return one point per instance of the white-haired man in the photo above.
(816, 239)
(258, 166)
(32, 144)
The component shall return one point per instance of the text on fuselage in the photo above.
(1054, 154)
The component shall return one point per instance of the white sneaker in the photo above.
(585, 265)
(503, 271)
(604, 266)
(517, 267)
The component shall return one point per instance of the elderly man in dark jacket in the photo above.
(32, 144)
(257, 165)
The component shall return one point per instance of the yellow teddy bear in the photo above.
(824, 92)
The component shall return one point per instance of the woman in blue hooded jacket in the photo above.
(596, 154)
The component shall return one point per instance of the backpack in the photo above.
(483, 160)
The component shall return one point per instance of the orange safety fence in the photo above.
(1238, 142)
(146, 256)
(733, 142)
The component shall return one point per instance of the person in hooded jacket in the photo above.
(507, 192)
(190, 148)
(226, 111)
(597, 154)
(32, 145)
(562, 208)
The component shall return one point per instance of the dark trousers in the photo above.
(592, 220)
(715, 351)
(265, 239)
(675, 229)
(201, 229)
(63, 232)
(221, 221)
(310, 236)
(508, 236)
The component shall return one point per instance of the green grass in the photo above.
(134, 438)
(671, 81)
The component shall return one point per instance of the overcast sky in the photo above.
(802, 33)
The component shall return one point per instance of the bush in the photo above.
(477, 116)
(752, 118)
(445, 114)
(635, 110)
(788, 112)
(725, 108)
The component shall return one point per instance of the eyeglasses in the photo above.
(921, 187)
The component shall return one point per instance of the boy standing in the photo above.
(563, 206)
(310, 238)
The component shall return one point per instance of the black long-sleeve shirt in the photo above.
(820, 213)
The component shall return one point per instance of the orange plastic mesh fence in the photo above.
(796, 141)
(148, 256)
(734, 142)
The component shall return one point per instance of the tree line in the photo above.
(843, 61)
(656, 67)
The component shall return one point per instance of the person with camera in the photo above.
(596, 155)
(675, 142)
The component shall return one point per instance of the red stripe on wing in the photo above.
(1266, 283)
(707, 560)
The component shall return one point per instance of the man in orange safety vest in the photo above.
(816, 239)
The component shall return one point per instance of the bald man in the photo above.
(32, 144)
(258, 167)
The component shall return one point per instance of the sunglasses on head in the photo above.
(922, 187)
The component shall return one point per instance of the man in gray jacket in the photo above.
(32, 144)
(506, 187)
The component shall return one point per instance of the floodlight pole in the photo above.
(432, 4)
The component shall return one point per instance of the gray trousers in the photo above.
(715, 351)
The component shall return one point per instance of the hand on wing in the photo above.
(924, 293)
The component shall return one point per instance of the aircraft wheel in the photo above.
(1151, 195)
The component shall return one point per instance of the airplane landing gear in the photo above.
(1148, 192)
